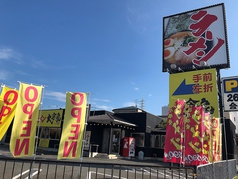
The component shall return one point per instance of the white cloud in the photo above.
(21, 72)
(142, 16)
(4, 75)
(135, 88)
(39, 64)
(6, 54)
(102, 107)
(58, 96)
(132, 83)
(61, 97)
(104, 100)
(9, 54)
(95, 106)
(45, 64)
(126, 104)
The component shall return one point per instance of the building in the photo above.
(233, 116)
(107, 130)
(165, 110)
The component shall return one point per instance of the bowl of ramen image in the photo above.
(174, 47)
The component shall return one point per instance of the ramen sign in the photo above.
(195, 40)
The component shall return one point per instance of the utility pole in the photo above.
(142, 104)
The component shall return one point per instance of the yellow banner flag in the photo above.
(24, 126)
(73, 126)
(7, 108)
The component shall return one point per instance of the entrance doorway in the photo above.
(105, 140)
(116, 139)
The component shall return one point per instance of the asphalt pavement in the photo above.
(42, 154)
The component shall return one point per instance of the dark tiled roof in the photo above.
(129, 107)
(158, 130)
(108, 119)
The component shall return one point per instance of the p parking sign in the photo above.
(230, 93)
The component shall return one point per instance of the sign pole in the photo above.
(222, 119)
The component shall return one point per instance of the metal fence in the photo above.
(14, 168)
(225, 169)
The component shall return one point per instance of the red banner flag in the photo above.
(194, 136)
(207, 137)
(216, 140)
(174, 133)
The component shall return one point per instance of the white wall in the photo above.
(233, 116)
(165, 110)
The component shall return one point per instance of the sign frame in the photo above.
(196, 88)
(173, 56)
(231, 96)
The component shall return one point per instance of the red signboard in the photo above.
(195, 40)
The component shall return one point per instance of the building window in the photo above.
(50, 133)
(157, 141)
(162, 141)
(139, 139)
(45, 132)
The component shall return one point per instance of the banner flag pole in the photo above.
(84, 133)
(39, 121)
(32, 169)
(85, 128)
(2, 85)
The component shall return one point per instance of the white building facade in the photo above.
(233, 116)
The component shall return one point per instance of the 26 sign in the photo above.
(230, 93)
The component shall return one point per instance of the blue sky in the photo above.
(108, 48)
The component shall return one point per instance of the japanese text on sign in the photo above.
(204, 20)
(230, 96)
(207, 85)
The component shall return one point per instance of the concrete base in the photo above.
(103, 155)
(93, 154)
